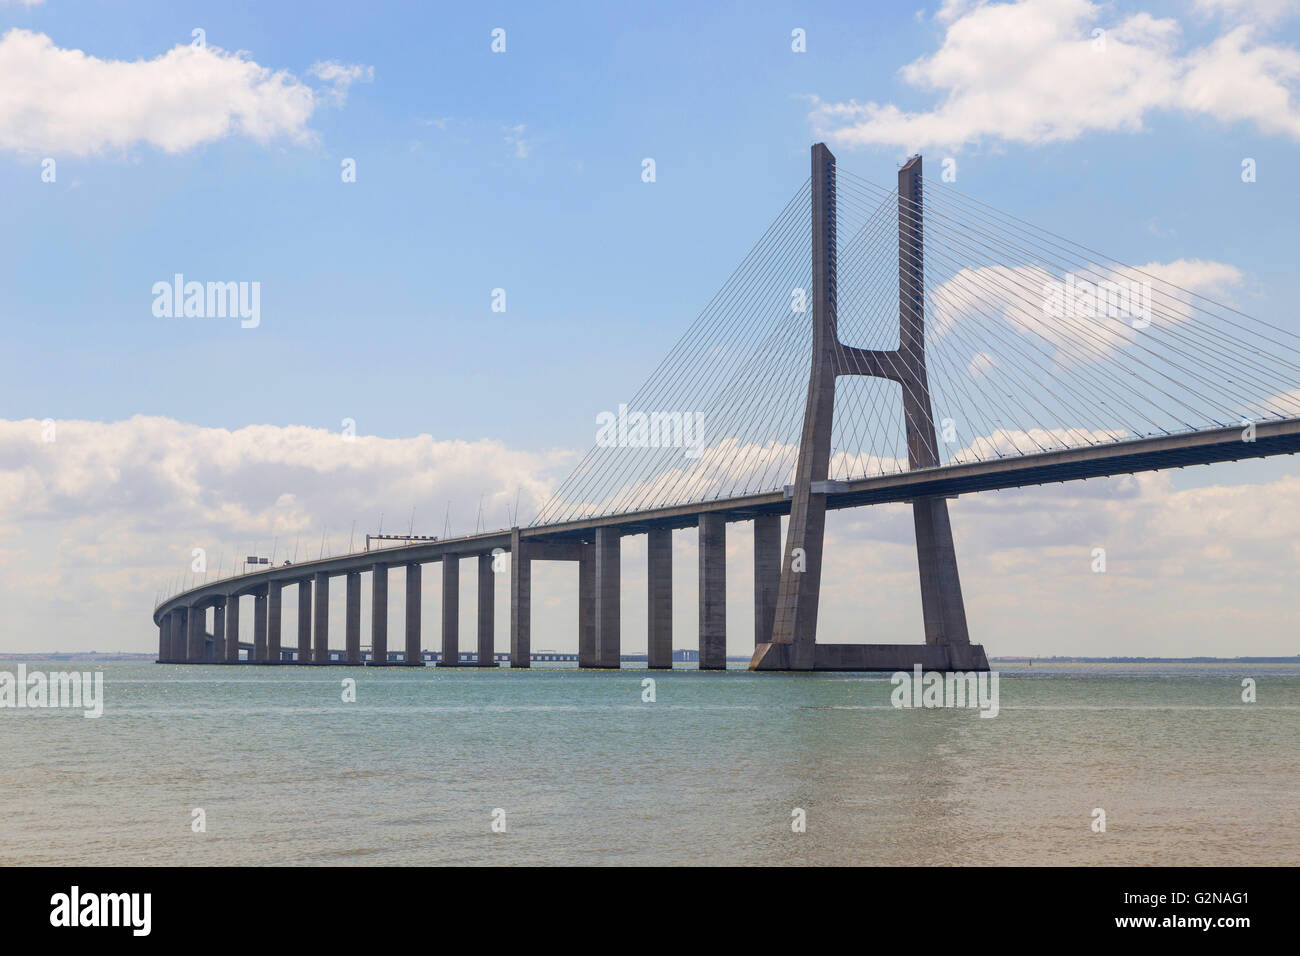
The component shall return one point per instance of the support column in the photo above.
(379, 614)
(219, 633)
(232, 629)
(197, 632)
(164, 640)
(659, 599)
(321, 619)
(587, 607)
(413, 595)
(608, 613)
(259, 626)
(486, 612)
(352, 618)
(713, 592)
(767, 574)
(180, 636)
(274, 619)
(521, 609)
(304, 621)
(450, 611)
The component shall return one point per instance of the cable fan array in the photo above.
(1032, 343)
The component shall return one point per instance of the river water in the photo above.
(580, 770)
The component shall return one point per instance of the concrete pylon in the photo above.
(321, 619)
(450, 611)
(607, 598)
(274, 620)
(487, 583)
(793, 643)
(413, 594)
(794, 627)
(379, 614)
(521, 601)
(352, 617)
(197, 631)
(767, 574)
(304, 621)
(232, 629)
(218, 633)
(260, 605)
(713, 592)
(659, 599)
(587, 606)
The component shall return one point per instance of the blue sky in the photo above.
(376, 294)
(522, 171)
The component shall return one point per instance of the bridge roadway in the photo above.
(593, 543)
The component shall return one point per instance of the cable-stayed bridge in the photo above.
(876, 344)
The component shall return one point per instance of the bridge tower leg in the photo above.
(793, 643)
(659, 599)
(794, 629)
(487, 583)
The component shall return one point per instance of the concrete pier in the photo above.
(196, 632)
(164, 644)
(321, 619)
(304, 621)
(659, 598)
(379, 614)
(521, 596)
(486, 612)
(218, 633)
(450, 611)
(232, 629)
(352, 618)
(274, 619)
(767, 574)
(713, 592)
(259, 625)
(587, 607)
(413, 595)
(608, 614)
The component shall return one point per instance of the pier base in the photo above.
(876, 657)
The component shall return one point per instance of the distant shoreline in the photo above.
(101, 656)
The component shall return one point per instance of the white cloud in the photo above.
(1022, 296)
(515, 137)
(1032, 72)
(92, 524)
(64, 101)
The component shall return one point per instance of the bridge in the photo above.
(1049, 362)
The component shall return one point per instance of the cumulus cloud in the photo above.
(65, 101)
(1040, 304)
(1043, 71)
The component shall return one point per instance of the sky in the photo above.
(133, 149)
